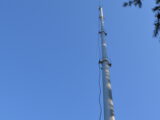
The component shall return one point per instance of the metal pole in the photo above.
(107, 91)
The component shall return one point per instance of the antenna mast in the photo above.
(105, 64)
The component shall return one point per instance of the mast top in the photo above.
(101, 12)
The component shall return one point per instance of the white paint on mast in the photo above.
(107, 91)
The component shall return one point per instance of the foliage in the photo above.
(156, 10)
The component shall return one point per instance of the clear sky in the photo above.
(49, 56)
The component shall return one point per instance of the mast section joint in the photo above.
(105, 60)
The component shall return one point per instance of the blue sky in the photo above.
(49, 56)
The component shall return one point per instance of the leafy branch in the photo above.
(156, 11)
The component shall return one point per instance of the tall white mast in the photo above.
(107, 91)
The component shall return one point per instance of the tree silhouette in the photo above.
(156, 11)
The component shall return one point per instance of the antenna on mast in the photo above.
(105, 64)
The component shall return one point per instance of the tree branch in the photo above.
(156, 10)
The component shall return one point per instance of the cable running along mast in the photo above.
(105, 65)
